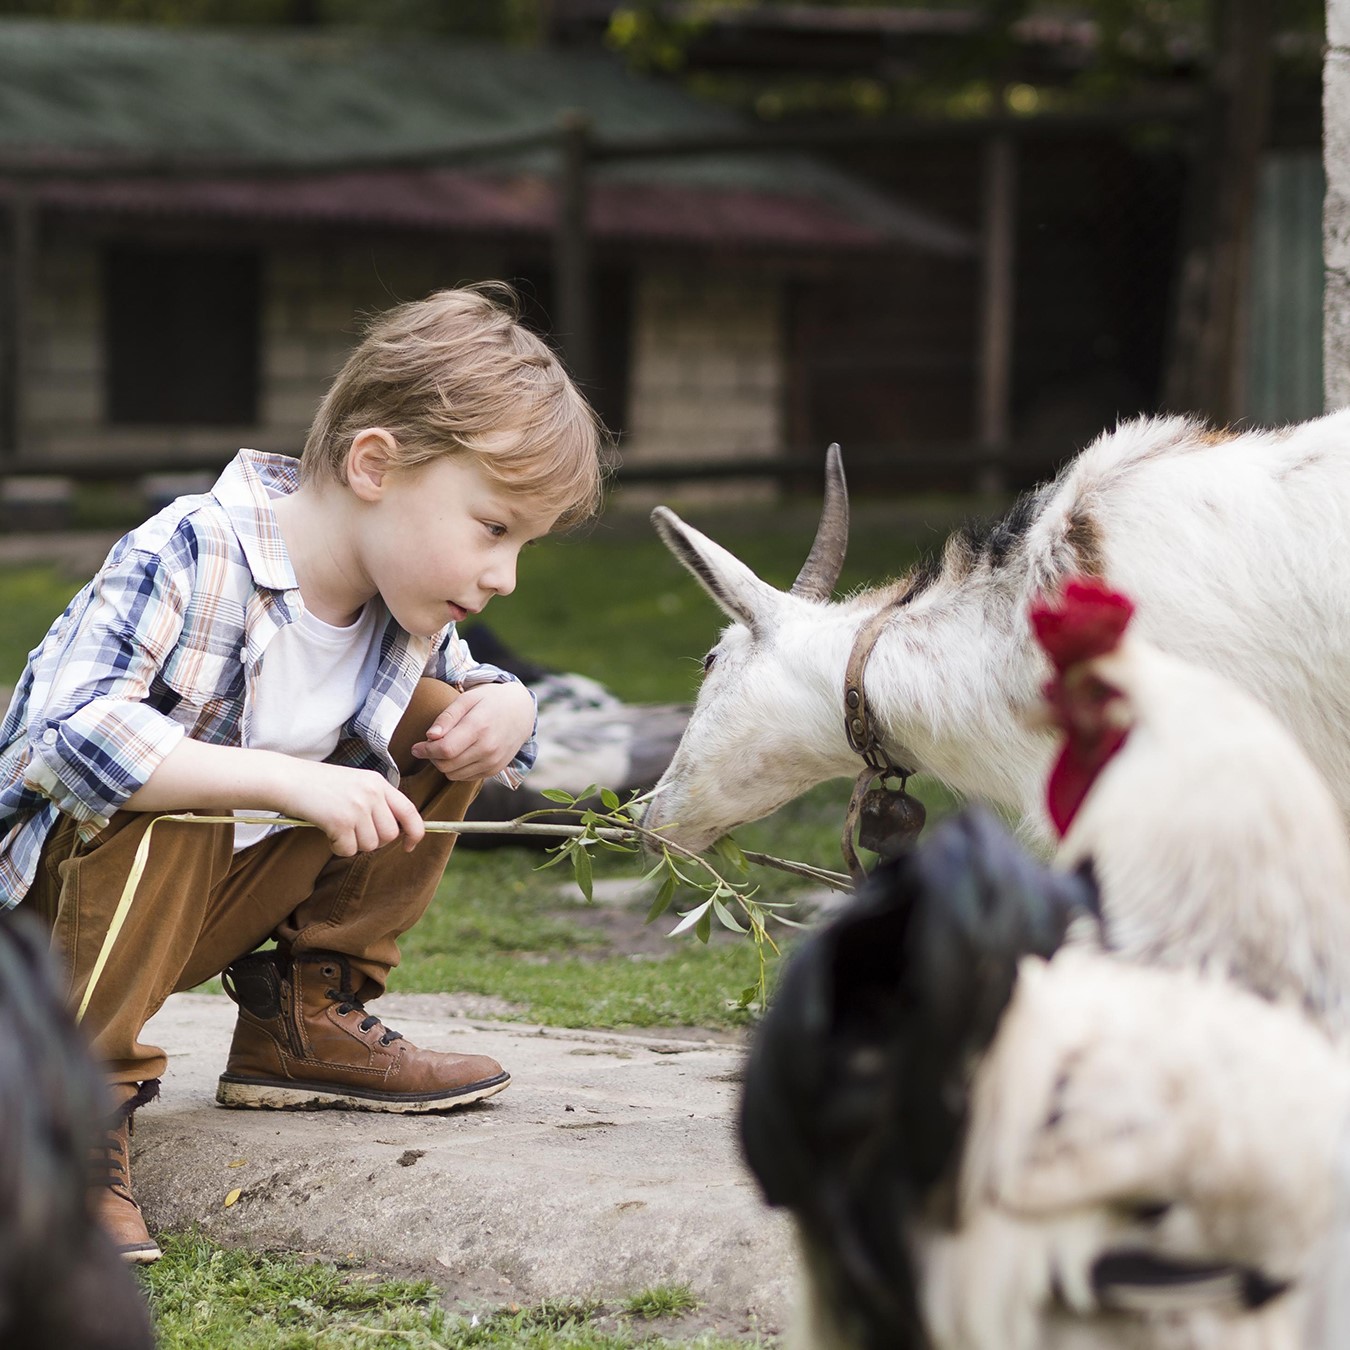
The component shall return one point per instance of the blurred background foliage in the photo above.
(1135, 40)
(970, 59)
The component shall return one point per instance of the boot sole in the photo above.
(262, 1095)
(139, 1256)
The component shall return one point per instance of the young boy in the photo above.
(286, 643)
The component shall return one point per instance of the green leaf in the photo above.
(559, 795)
(581, 867)
(694, 916)
(663, 898)
(610, 798)
(556, 855)
(703, 928)
(749, 995)
(729, 851)
(725, 917)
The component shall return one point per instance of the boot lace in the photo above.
(348, 1002)
(108, 1163)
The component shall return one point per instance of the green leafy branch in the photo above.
(720, 888)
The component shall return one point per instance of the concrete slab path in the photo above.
(610, 1165)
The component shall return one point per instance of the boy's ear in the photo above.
(371, 457)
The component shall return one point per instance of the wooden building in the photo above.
(192, 223)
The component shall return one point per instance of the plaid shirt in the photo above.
(165, 642)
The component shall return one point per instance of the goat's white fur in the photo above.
(1233, 547)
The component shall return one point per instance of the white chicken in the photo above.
(991, 1141)
(1150, 1164)
(1213, 839)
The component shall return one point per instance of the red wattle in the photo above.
(1074, 773)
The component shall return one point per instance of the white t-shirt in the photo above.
(313, 678)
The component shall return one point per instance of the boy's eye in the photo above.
(494, 529)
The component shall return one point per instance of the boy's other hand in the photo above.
(480, 733)
(357, 809)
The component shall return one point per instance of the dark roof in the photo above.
(319, 113)
(478, 203)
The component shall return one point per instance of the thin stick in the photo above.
(838, 880)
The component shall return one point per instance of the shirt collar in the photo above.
(244, 490)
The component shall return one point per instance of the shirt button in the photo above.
(243, 654)
(49, 736)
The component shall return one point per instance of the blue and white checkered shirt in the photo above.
(165, 643)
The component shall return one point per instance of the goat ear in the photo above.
(739, 592)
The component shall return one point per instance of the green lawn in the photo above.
(613, 604)
(206, 1297)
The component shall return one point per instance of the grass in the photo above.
(203, 1296)
(666, 1301)
(33, 597)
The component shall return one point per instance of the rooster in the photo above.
(1213, 839)
(991, 1140)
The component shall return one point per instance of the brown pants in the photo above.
(200, 905)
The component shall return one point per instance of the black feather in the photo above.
(62, 1285)
(856, 1092)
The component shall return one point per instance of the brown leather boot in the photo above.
(110, 1199)
(304, 1040)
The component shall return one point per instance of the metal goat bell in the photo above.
(889, 821)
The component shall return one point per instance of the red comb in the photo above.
(1087, 621)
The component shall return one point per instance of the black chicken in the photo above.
(857, 1092)
(62, 1286)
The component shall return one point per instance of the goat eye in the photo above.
(708, 661)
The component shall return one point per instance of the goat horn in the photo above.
(820, 571)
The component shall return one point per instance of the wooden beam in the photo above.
(574, 320)
(15, 303)
(998, 243)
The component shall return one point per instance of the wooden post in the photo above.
(998, 241)
(1206, 365)
(15, 289)
(574, 320)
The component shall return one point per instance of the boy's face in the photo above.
(442, 539)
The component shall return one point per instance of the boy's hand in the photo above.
(357, 809)
(480, 733)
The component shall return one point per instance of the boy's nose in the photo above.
(500, 578)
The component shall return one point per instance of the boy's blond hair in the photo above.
(459, 374)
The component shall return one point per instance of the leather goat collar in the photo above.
(863, 738)
(858, 727)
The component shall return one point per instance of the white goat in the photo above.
(1235, 548)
